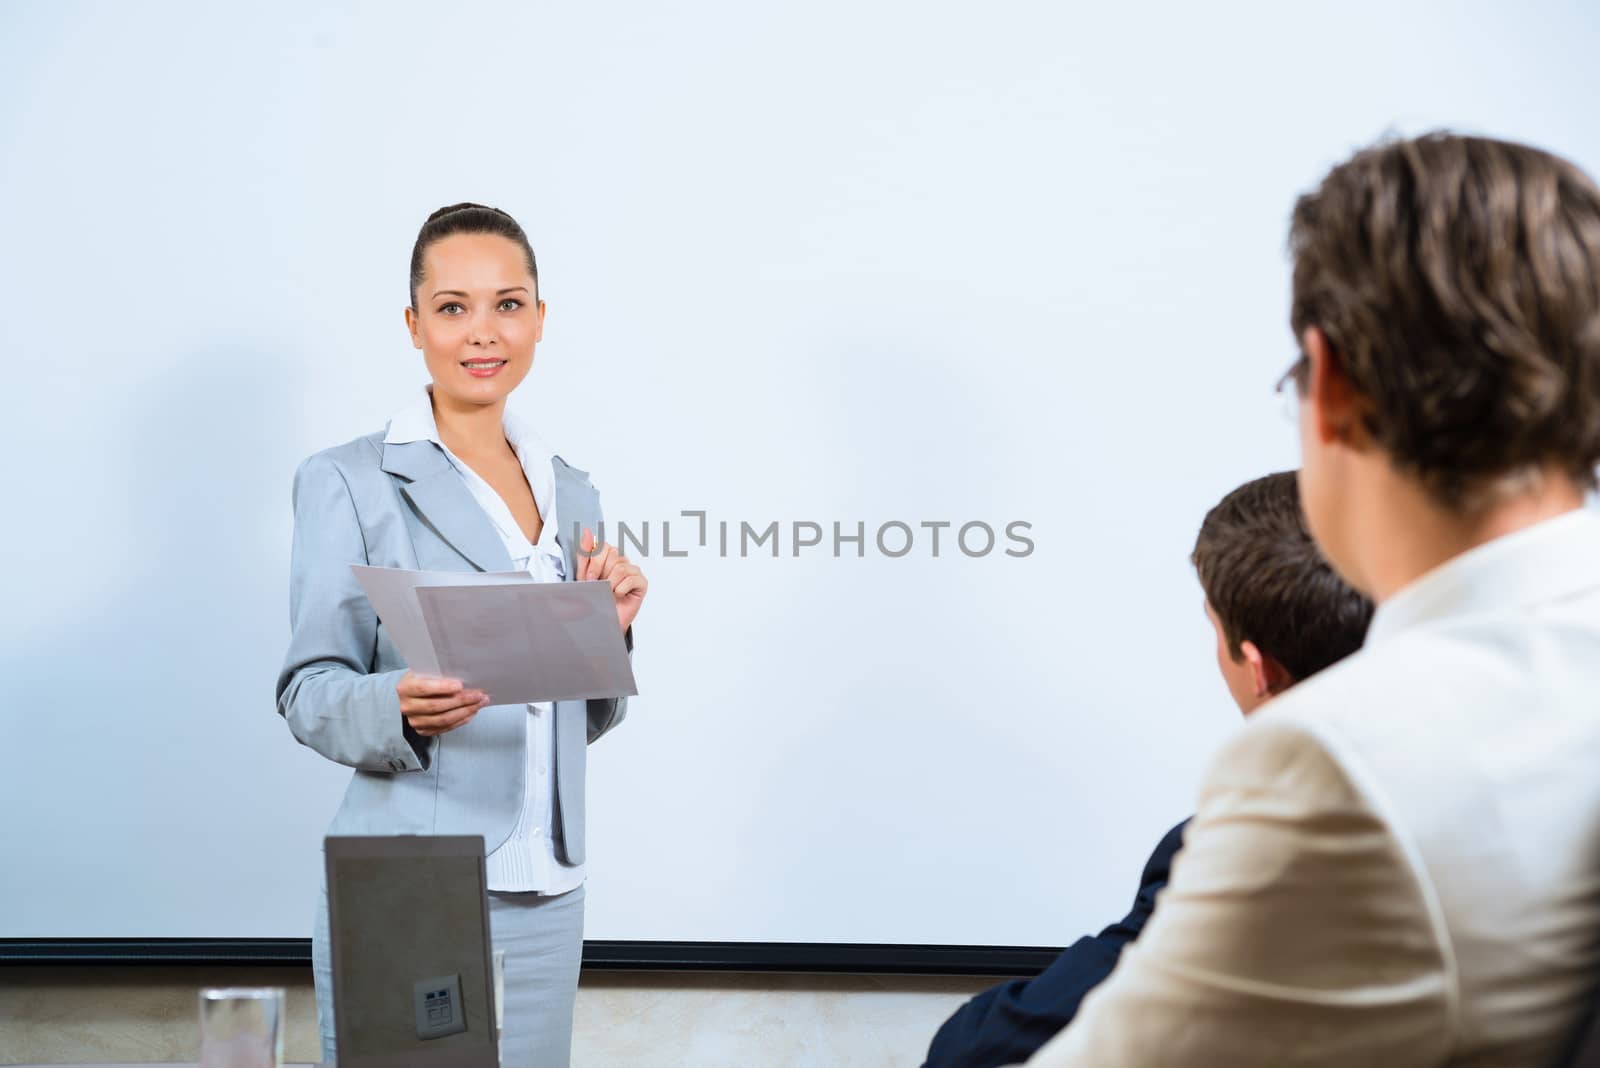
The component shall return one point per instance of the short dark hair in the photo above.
(1457, 280)
(468, 218)
(1268, 584)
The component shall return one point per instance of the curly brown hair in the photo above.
(1457, 280)
(1268, 584)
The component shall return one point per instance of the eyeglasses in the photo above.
(1291, 388)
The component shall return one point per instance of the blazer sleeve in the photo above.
(605, 713)
(327, 691)
(1008, 1023)
(1294, 932)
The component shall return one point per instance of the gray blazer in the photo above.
(366, 502)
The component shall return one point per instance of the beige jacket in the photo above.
(1397, 863)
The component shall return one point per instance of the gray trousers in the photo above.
(542, 938)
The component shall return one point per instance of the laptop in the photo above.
(408, 927)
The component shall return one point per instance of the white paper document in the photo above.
(503, 633)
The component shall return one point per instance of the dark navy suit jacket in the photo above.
(1008, 1023)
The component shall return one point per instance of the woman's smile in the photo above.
(483, 368)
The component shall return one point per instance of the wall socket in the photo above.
(438, 1006)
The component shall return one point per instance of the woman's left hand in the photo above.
(628, 583)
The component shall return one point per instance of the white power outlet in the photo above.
(438, 1006)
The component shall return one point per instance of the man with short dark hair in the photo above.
(1398, 864)
(1280, 612)
(1280, 615)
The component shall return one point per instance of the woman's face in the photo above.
(477, 317)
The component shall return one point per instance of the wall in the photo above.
(132, 1014)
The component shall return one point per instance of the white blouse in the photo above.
(527, 860)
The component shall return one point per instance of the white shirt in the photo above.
(1396, 863)
(527, 860)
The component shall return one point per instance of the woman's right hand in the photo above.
(432, 705)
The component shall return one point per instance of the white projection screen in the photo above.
(822, 263)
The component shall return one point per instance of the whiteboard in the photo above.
(854, 263)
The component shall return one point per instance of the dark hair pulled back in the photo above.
(468, 218)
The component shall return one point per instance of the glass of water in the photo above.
(241, 1027)
(499, 960)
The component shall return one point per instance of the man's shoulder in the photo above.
(1291, 755)
(1333, 738)
(1428, 696)
(1158, 866)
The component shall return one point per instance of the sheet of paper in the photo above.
(520, 642)
(393, 593)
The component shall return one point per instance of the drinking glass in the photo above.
(241, 1027)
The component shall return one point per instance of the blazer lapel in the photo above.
(577, 506)
(445, 504)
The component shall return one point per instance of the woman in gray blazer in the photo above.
(455, 482)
